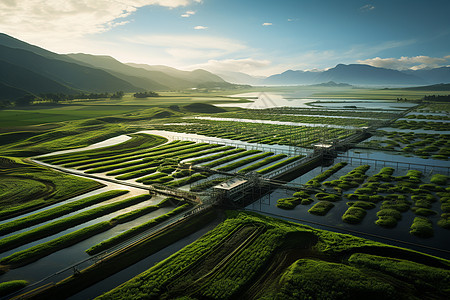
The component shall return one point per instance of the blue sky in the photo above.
(258, 37)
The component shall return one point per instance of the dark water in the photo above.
(130, 272)
(398, 236)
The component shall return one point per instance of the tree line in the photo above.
(30, 99)
(439, 98)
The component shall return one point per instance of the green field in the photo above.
(251, 256)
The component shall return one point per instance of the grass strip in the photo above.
(280, 164)
(99, 160)
(264, 162)
(230, 158)
(52, 213)
(142, 142)
(136, 174)
(11, 286)
(20, 239)
(137, 142)
(122, 260)
(216, 156)
(129, 156)
(149, 164)
(214, 150)
(187, 180)
(244, 161)
(32, 254)
(130, 216)
(114, 166)
(134, 231)
(193, 149)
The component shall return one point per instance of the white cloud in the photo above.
(199, 27)
(188, 14)
(267, 24)
(188, 47)
(404, 62)
(37, 20)
(245, 65)
(367, 7)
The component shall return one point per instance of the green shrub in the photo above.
(354, 215)
(439, 179)
(11, 286)
(386, 221)
(302, 194)
(423, 211)
(362, 204)
(421, 227)
(389, 212)
(367, 191)
(321, 208)
(307, 201)
(288, 203)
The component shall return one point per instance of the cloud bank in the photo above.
(74, 18)
(404, 62)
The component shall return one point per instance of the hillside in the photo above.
(37, 70)
(20, 78)
(64, 73)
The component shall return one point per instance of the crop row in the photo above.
(167, 148)
(262, 163)
(54, 227)
(137, 142)
(134, 231)
(154, 279)
(56, 212)
(270, 134)
(280, 164)
(230, 158)
(41, 250)
(130, 161)
(294, 118)
(244, 161)
(216, 156)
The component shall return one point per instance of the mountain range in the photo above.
(26, 68)
(358, 74)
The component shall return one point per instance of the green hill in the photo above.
(19, 78)
(66, 73)
(148, 77)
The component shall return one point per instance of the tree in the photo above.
(146, 94)
(117, 95)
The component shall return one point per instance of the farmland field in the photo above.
(185, 150)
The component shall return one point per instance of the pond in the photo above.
(398, 236)
(269, 100)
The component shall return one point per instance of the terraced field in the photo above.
(161, 164)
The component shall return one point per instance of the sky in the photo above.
(258, 37)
